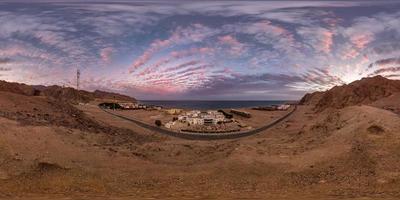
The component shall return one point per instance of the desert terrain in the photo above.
(340, 144)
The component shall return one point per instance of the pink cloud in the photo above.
(183, 65)
(236, 48)
(332, 22)
(321, 39)
(105, 54)
(174, 56)
(21, 50)
(155, 46)
(364, 59)
(268, 32)
(350, 53)
(327, 41)
(153, 68)
(193, 33)
(183, 77)
(361, 40)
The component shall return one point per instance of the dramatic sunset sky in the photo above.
(234, 50)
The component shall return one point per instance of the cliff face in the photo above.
(60, 93)
(365, 91)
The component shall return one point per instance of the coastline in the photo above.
(213, 104)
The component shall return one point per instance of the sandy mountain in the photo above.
(363, 92)
(61, 93)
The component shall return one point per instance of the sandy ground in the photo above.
(349, 153)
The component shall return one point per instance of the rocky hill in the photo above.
(66, 94)
(366, 91)
(18, 88)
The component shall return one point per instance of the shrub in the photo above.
(158, 122)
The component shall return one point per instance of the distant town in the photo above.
(195, 121)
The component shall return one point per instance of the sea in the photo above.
(211, 105)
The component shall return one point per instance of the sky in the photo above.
(199, 50)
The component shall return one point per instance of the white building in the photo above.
(169, 124)
(195, 120)
(283, 107)
(128, 105)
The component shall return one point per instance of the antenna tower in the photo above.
(78, 76)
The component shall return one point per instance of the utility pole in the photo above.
(78, 76)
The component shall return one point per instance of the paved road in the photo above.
(204, 136)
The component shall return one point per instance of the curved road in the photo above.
(204, 136)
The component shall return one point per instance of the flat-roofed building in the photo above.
(195, 121)
(174, 111)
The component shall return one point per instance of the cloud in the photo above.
(361, 41)
(269, 34)
(236, 48)
(386, 48)
(320, 79)
(180, 66)
(175, 56)
(117, 23)
(310, 45)
(384, 70)
(388, 61)
(5, 69)
(106, 53)
(386, 67)
(321, 39)
(190, 34)
(5, 60)
(237, 86)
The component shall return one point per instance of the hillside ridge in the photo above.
(61, 93)
(361, 92)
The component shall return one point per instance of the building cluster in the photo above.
(134, 106)
(204, 122)
(197, 117)
(282, 107)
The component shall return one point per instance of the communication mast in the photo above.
(78, 76)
